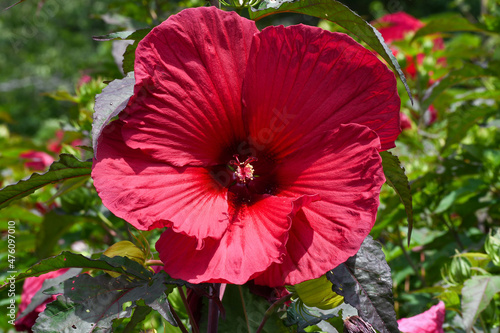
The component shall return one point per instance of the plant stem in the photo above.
(271, 309)
(154, 263)
(194, 325)
(213, 308)
(177, 319)
(483, 326)
(451, 227)
(244, 308)
(106, 224)
(407, 256)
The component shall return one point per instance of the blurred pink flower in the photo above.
(430, 321)
(37, 160)
(431, 115)
(83, 79)
(31, 286)
(405, 121)
(55, 145)
(394, 27)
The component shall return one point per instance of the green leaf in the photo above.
(365, 282)
(114, 36)
(446, 24)
(460, 121)
(90, 304)
(139, 315)
(67, 167)
(53, 227)
(109, 103)
(468, 71)
(129, 55)
(470, 187)
(67, 259)
(338, 13)
(477, 293)
(396, 178)
(68, 186)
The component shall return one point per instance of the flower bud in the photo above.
(460, 270)
(492, 245)
(318, 293)
(355, 324)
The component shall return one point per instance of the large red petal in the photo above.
(248, 247)
(302, 81)
(186, 106)
(348, 176)
(148, 194)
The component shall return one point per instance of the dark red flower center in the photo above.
(247, 177)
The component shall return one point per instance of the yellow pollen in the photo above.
(244, 170)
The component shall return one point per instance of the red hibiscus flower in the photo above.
(37, 160)
(258, 150)
(55, 145)
(430, 321)
(31, 286)
(394, 27)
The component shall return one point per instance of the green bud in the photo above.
(460, 270)
(492, 245)
(318, 293)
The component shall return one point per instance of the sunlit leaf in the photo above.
(396, 178)
(468, 71)
(477, 293)
(338, 13)
(53, 227)
(365, 282)
(114, 36)
(460, 121)
(446, 24)
(67, 167)
(139, 315)
(470, 186)
(109, 103)
(129, 55)
(68, 186)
